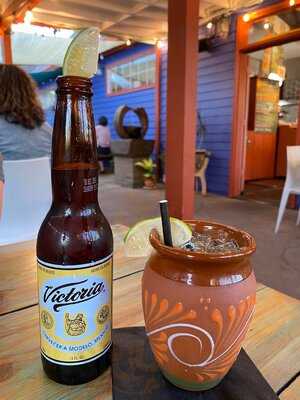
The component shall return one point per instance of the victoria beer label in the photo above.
(75, 311)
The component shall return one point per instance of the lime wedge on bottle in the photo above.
(137, 238)
(81, 58)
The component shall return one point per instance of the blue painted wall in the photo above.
(215, 104)
(215, 99)
(107, 105)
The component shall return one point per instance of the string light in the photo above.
(209, 25)
(128, 42)
(246, 17)
(292, 3)
(28, 17)
(161, 43)
(267, 26)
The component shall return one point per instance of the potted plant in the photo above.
(148, 166)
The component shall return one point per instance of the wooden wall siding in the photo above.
(215, 100)
(163, 97)
(107, 105)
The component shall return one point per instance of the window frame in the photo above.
(260, 14)
(126, 60)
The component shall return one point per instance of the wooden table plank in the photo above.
(21, 373)
(273, 339)
(18, 271)
(292, 392)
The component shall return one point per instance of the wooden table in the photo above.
(273, 341)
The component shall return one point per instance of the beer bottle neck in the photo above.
(74, 154)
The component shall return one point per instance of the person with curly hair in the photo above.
(23, 131)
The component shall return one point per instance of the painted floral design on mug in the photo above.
(214, 350)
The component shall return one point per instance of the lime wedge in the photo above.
(81, 58)
(137, 238)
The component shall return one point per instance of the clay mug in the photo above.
(198, 307)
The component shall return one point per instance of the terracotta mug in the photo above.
(198, 307)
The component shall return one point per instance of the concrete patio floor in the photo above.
(277, 259)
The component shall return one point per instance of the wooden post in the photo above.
(183, 19)
(7, 49)
(239, 124)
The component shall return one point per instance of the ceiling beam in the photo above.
(154, 13)
(15, 11)
(57, 21)
(82, 11)
(123, 35)
(121, 6)
(14, 7)
(163, 4)
(140, 22)
(133, 11)
(135, 31)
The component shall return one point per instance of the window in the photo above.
(131, 75)
(284, 22)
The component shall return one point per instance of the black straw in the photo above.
(165, 220)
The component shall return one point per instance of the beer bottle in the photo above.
(74, 247)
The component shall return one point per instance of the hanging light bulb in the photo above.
(267, 26)
(128, 42)
(28, 17)
(246, 17)
(292, 3)
(209, 25)
(161, 43)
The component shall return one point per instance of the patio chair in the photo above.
(27, 199)
(202, 160)
(292, 182)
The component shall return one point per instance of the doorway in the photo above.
(272, 119)
(267, 47)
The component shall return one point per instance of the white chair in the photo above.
(27, 199)
(202, 160)
(292, 182)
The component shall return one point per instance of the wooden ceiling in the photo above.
(141, 20)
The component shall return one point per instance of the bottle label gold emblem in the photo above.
(75, 311)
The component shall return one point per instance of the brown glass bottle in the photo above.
(74, 248)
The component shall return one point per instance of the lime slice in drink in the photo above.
(137, 238)
(81, 58)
